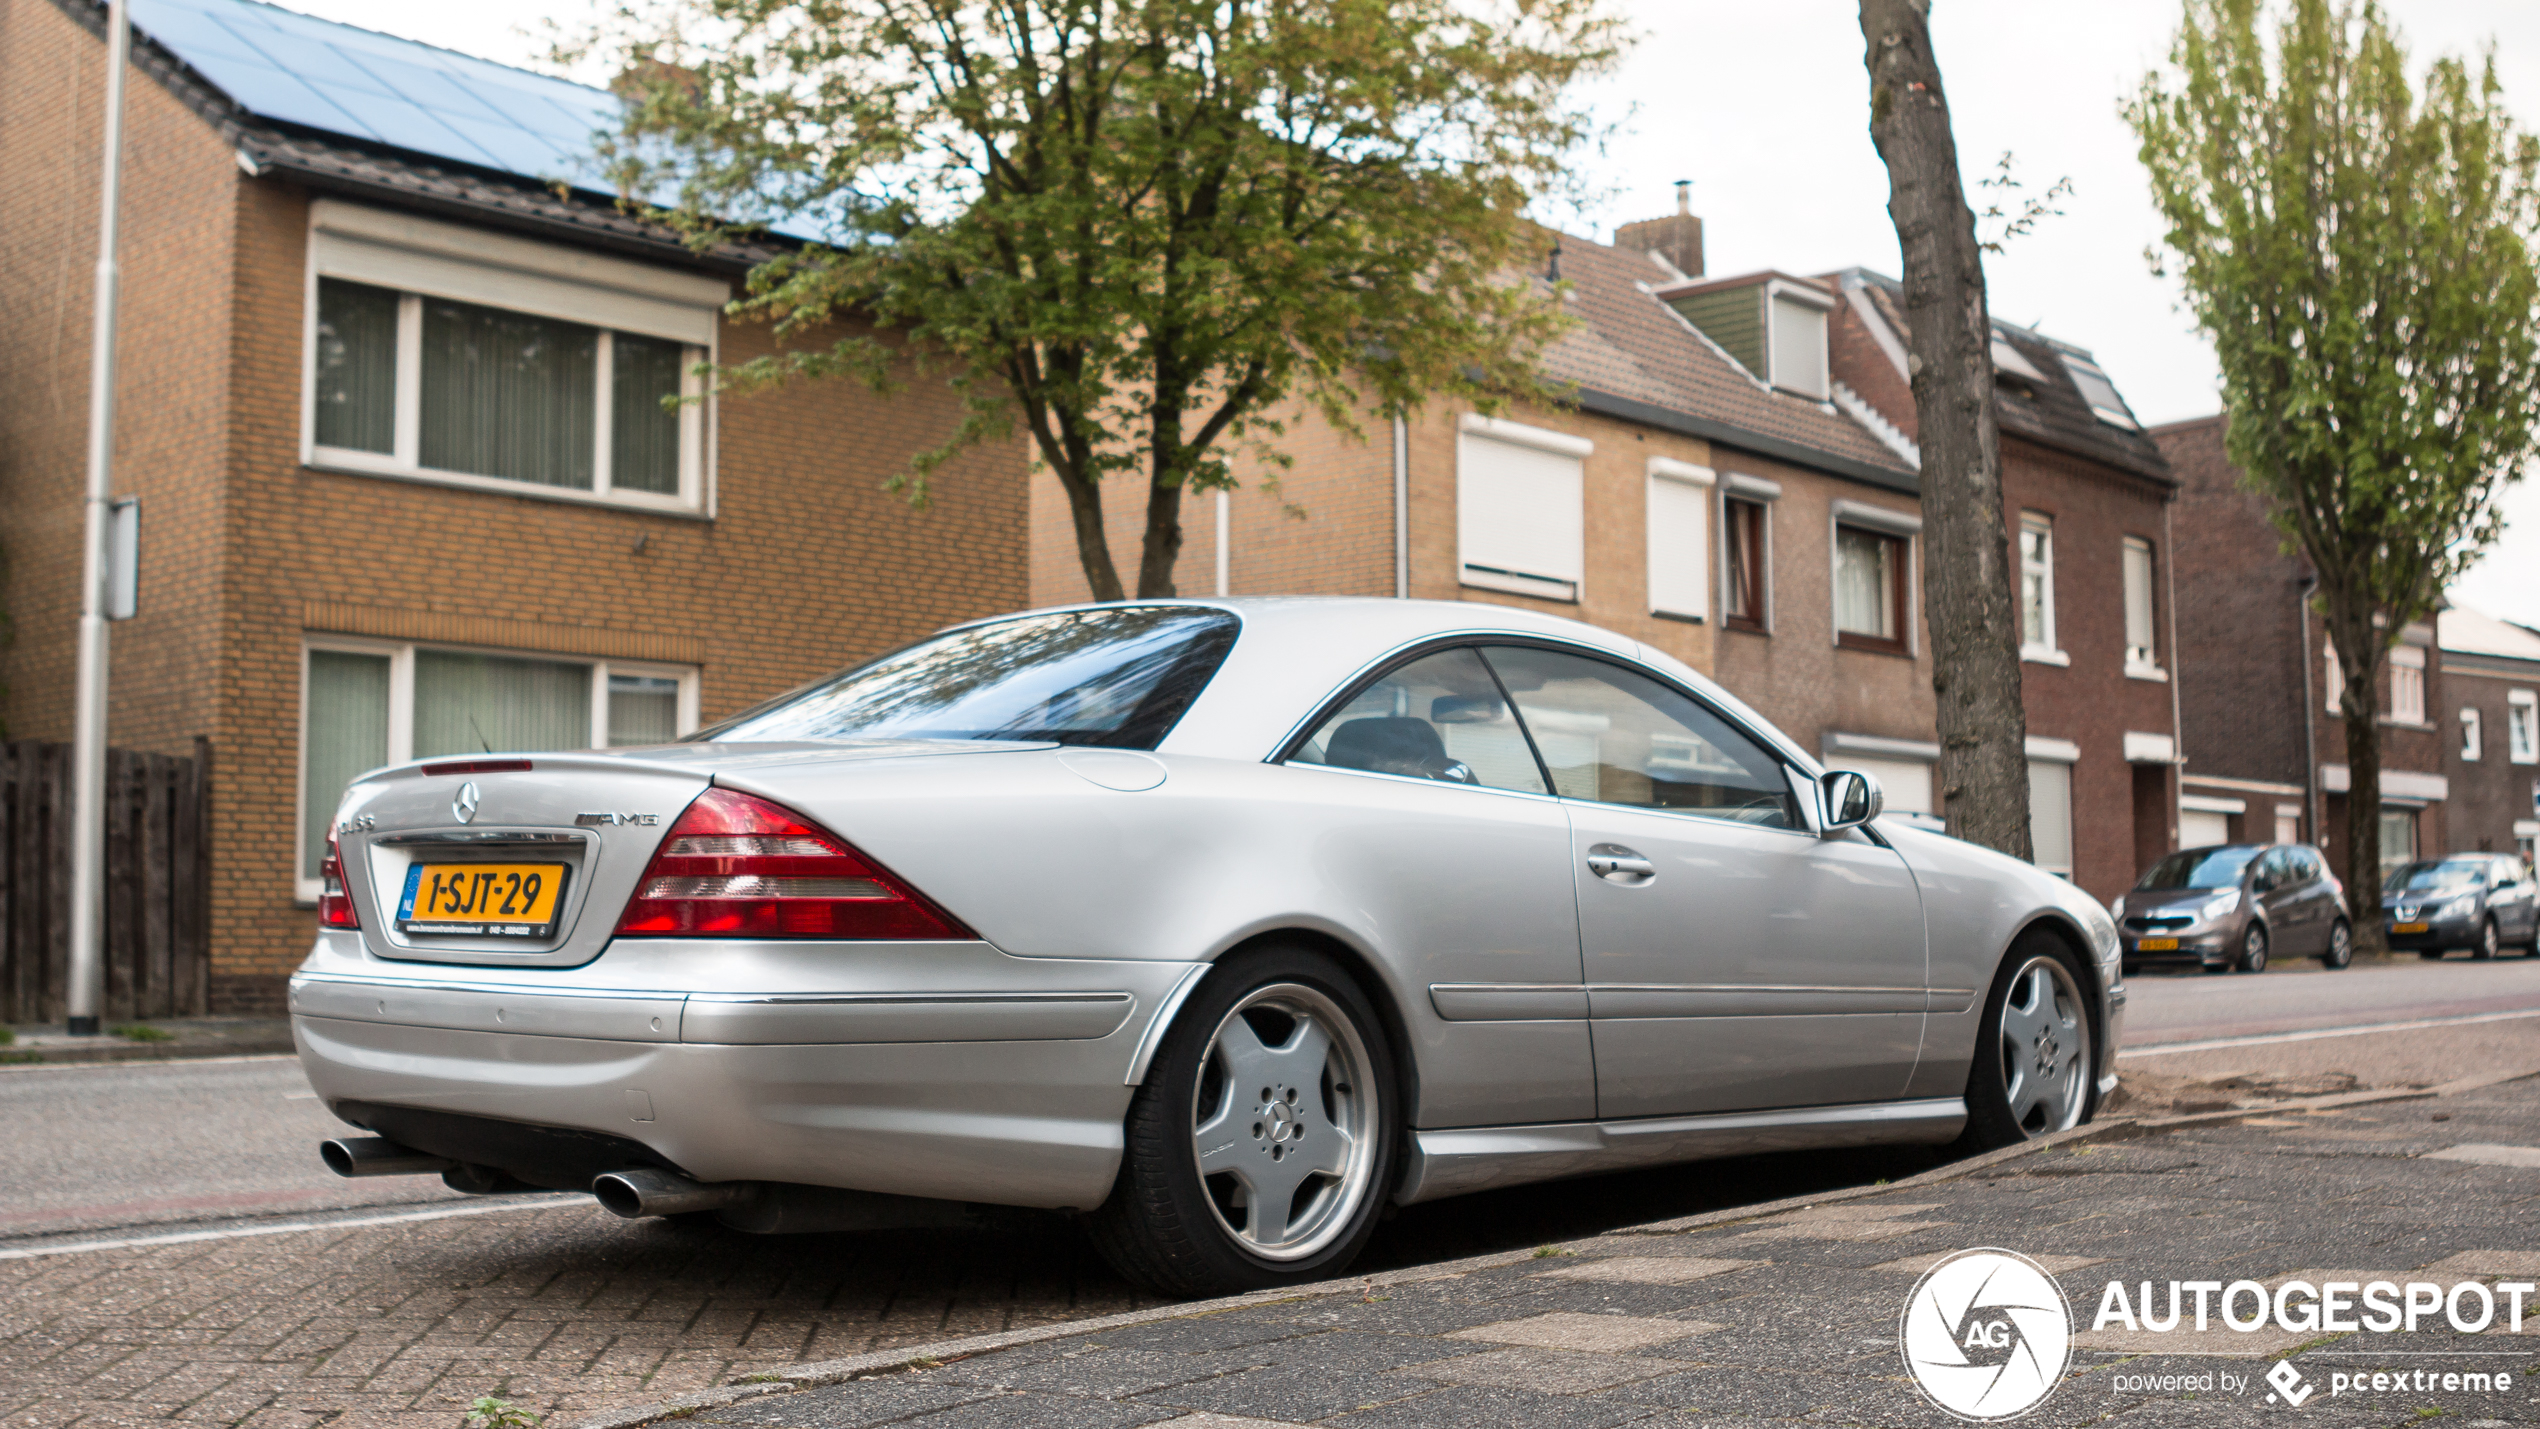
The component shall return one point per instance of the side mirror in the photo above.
(1848, 799)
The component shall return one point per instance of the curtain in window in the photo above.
(506, 394)
(643, 438)
(468, 704)
(347, 736)
(356, 366)
(643, 709)
(1864, 586)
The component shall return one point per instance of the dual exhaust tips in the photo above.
(635, 1193)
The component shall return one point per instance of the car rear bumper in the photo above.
(948, 1071)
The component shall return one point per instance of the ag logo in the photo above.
(1986, 1334)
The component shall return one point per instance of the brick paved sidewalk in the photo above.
(1795, 1316)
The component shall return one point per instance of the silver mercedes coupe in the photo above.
(1221, 923)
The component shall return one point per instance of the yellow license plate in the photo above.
(482, 900)
(2409, 927)
(2157, 945)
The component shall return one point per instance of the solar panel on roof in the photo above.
(298, 69)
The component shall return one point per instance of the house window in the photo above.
(2050, 815)
(2099, 392)
(2142, 653)
(2473, 734)
(1743, 553)
(367, 703)
(1869, 589)
(1798, 357)
(1520, 521)
(448, 354)
(2407, 685)
(1679, 515)
(2522, 727)
(2398, 838)
(2037, 586)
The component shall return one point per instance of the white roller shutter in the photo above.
(1519, 521)
(2050, 815)
(1679, 539)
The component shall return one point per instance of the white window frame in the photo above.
(2407, 686)
(1682, 480)
(419, 258)
(1903, 527)
(1763, 493)
(401, 710)
(2044, 650)
(2142, 662)
(2473, 734)
(2522, 727)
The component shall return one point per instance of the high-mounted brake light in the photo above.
(737, 866)
(335, 905)
(480, 766)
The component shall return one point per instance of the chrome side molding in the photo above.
(1455, 1161)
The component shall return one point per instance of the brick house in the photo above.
(2262, 688)
(1677, 497)
(2086, 497)
(2490, 697)
(392, 405)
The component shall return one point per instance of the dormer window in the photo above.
(2099, 392)
(1772, 325)
(1796, 350)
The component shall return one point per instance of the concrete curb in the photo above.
(879, 1362)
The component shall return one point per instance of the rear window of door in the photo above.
(1440, 717)
(1614, 736)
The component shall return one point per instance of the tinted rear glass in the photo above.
(1120, 677)
(2199, 868)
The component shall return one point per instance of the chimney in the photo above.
(1678, 239)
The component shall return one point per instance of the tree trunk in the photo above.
(1093, 544)
(1161, 549)
(2360, 647)
(1966, 554)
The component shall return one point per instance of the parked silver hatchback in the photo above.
(1223, 924)
(2236, 906)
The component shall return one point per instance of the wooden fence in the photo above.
(158, 866)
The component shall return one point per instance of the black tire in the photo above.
(2253, 949)
(2485, 948)
(1993, 1119)
(2341, 946)
(1167, 1226)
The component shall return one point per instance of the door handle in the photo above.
(1617, 864)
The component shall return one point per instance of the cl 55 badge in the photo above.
(613, 820)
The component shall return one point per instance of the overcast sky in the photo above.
(1765, 108)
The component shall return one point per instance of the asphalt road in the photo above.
(87, 1149)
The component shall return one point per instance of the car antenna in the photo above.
(482, 742)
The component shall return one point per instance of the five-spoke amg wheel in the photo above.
(2034, 1070)
(1261, 1143)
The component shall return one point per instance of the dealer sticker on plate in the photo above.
(482, 900)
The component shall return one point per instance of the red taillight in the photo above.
(480, 766)
(736, 866)
(335, 906)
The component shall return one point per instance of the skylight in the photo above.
(2100, 393)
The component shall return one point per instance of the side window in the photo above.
(1440, 717)
(1617, 737)
(2275, 869)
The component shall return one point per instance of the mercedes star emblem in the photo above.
(465, 804)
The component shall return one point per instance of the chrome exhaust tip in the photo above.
(643, 1191)
(377, 1156)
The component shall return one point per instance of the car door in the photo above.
(2283, 899)
(2510, 899)
(1431, 818)
(1734, 960)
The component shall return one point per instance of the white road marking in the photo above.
(2488, 1153)
(2160, 1049)
(188, 1237)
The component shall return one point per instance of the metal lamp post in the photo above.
(88, 736)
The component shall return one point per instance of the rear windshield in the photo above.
(1119, 677)
(2199, 868)
(2446, 877)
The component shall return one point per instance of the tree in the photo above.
(1142, 225)
(1975, 657)
(2359, 254)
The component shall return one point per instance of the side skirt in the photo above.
(1455, 1161)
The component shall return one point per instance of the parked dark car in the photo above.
(2235, 905)
(2478, 901)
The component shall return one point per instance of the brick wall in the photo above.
(2491, 793)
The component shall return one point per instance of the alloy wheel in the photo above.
(2045, 1040)
(2486, 940)
(2253, 950)
(2341, 947)
(1285, 1120)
